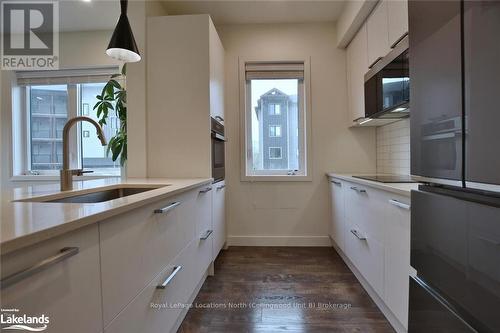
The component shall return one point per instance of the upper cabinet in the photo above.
(384, 27)
(397, 20)
(357, 66)
(216, 51)
(378, 35)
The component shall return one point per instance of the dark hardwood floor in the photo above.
(282, 289)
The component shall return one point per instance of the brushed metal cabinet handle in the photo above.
(359, 190)
(63, 254)
(206, 190)
(399, 204)
(398, 40)
(169, 278)
(166, 209)
(357, 234)
(206, 235)
(336, 182)
(376, 60)
(489, 240)
(220, 187)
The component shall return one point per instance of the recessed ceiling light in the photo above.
(86, 0)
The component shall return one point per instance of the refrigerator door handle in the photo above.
(430, 290)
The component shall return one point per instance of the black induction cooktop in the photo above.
(388, 178)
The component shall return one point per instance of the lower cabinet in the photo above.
(219, 217)
(376, 240)
(67, 291)
(136, 246)
(133, 272)
(158, 307)
(337, 221)
(167, 244)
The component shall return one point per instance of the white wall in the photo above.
(294, 213)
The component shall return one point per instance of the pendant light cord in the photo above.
(123, 5)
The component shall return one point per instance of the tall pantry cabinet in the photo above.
(185, 86)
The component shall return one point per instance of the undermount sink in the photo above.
(93, 197)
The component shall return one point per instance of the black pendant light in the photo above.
(122, 45)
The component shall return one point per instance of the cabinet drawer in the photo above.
(157, 310)
(397, 256)
(136, 246)
(203, 210)
(218, 217)
(367, 255)
(67, 291)
(366, 207)
(337, 223)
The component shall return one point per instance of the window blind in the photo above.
(66, 76)
(274, 70)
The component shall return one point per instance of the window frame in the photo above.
(21, 166)
(305, 142)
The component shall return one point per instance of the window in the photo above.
(274, 109)
(271, 142)
(275, 153)
(274, 131)
(48, 100)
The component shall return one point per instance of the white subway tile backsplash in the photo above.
(393, 148)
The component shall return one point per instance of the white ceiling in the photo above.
(79, 15)
(259, 11)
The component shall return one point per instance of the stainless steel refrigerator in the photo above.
(455, 150)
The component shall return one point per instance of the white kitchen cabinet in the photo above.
(158, 310)
(357, 66)
(337, 220)
(136, 246)
(397, 16)
(68, 291)
(366, 220)
(185, 74)
(376, 240)
(204, 227)
(219, 217)
(378, 33)
(367, 254)
(397, 256)
(216, 58)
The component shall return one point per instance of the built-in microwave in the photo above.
(387, 85)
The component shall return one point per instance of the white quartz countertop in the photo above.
(26, 223)
(397, 188)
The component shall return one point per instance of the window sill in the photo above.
(276, 178)
(46, 178)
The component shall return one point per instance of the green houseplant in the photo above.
(113, 98)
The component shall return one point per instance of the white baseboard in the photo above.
(278, 241)
(395, 323)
